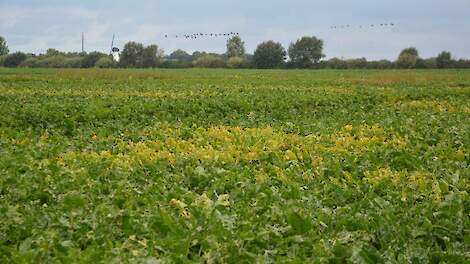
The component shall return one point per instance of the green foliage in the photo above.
(209, 61)
(72, 62)
(460, 64)
(175, 64)
(407, 61)
(30, 62)
(357, 63)
(90, 59)
(131, 55)
(408, 58)
(55, 61)
(306, 52)
(268, 55)
(104, 62)
(411, 51)
(135, 55)
(238, 63)
(444, 60)
(180, 55)
(151, 56)
(2, 60)
(234, 166)
(3, 46)
(235, 47)
(336, 63)
(53, 52)
(14, 59)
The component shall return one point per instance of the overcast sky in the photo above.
(431, 26)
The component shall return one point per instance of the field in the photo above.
(228, 166)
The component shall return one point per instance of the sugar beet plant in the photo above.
(215, 166)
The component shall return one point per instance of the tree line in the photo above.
(305, 53)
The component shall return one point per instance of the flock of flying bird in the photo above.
(361, 26)
(200, 35)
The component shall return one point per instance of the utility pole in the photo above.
(83, 42)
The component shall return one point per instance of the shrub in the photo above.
(238, 63)
(175, 64)
(14, 59)
(104, 62)
(91, 58)
(30, 62)
(74, 62)
(444, 60)
(336, 63)
(51, 62)
(209, 61)
(2, 60)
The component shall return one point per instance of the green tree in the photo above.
(238, 63)
(151, 56)
(197, 54)
(52, 52)
(407, 61)
(14, 59)
(444, 60)
(306, 52)
(336, 63)
(269, 54)
(209, 61)
(412, 51)
(104, 62)
(360, 63)
(235, 47)
(3, 46)
(131, 56)
(408, 58)
(180, 55)
(91, 58)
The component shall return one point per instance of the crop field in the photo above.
(234, 166)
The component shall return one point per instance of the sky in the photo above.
(431, 26)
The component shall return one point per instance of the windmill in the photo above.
(114, 51)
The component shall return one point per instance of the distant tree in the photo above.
(238, 63)
(14, 59)
(408, 58)
(52, 52)
(462, 64)
(198, 54)
(180, 55)
(175, 64)
(269, 54)
(335, 63)
(151, 56)
(407, 61)
(209, 61)
(430, 63)
(357, 63)
(51, 61)
(444, 60)
(412, 51)
(91, 58)
(235, 47)
(131, 56)
(306, 52)
(105, 62)
(72, 62)
(30, 62)
(3, 47)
